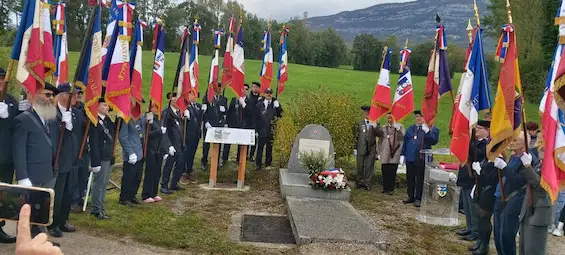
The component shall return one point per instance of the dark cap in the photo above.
(418, 112)
(171, 94)
(269, 91)
(64, 87)
(256, 84)
(246, 85)
(366, 108)
(2, 72)
(484, 123)
(101, 100)
(55, 90)
(78, 90)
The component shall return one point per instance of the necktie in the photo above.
(47, 128)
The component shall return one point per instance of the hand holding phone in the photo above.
(40, 200)
(39, 244)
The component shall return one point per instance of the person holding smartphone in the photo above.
(39, 244)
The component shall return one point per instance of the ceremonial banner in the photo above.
(559, 92)
(119, 78)
(238, 79)
(110, 38)
(137, 69)
(183, 73)
(403, 103)
(31, 48)
(283, 61)
(193, 66)
(227, 67)
(214, 67)
(381, 99)
(439, 79)
(474, 96)
(267, 66)
(507, 110)
(61, 48)
(47, 47)
(90, 70)
(158, 79)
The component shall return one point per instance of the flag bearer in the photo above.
(390, 146)
(267, 110)
(214, 116)
(193, 131)
(366, 134)
(131, 136)
(235, 119)
(173, 125)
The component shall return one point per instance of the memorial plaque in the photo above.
(230, 136)
(311, 145)
(312, 137)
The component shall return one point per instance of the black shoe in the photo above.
(390, 193)
(100, 216)
(475, 246)
(135, 201)
(177, 188)
(463, 232)
(258, 169)
(408, 201)
(166, 191)
(252, 159)
(127, 203)
(368, 188)
(461, 211)
(55, 232)
(5, 238)
(468, 238)
(68, 228)
(482, 250)
(383, 191)
(417, 203)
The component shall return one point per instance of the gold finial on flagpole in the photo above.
(196, 18)
(406, 44)
(476, 13)
(241, 16)
(509, 11)
(470, 31)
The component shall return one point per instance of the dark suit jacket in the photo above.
(477, 153)
(155, 136)
(236, 114)
(265, 118)
(366, 138)
(537, 207)
(173, 123)
(7, 130)
(101, 144)
(487, 186)
(71, 141)
(34, 149)
(194, 125)
(249, 115)
(213, 113)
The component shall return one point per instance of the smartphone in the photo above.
(13, 197)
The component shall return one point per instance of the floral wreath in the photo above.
(331, 179)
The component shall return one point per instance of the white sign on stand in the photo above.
(230, 136)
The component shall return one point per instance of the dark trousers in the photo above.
(389, 176)
(177, 163)
(131, 180)
(471, 214)
(82, 179)
(152, 175)
(485, 228)
(6, 176)
(506, 224)
(268, 154)
(64, 189)
(251, 152)
(415, 179)
(562, 216)
(36, 230)
(189, 153)
(226, 152)
(206, 149)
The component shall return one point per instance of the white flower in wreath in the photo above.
(320, 177)
(339, 178)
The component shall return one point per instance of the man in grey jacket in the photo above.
(365, 149)
(390, 146)
(131, 138)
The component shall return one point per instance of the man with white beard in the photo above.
(35, 142)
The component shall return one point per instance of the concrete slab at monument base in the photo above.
(224, 187)
(322, 220)
(297, 184)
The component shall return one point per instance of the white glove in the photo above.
(163, 130)
(425, 128)
(67, 117)
(452, 177)
(397, 126)
(256, 134)
(25, 182)
(165, 156)
(96, 169)
(204, 107)
(477, 167)
(207, 125)
(276, 104)
(132, 159)
(24, 105)
(187, 114)
(499, 163)
(4, 111)
(242, 102)
(374, 125)
(172, 151)
(222, 108)
(473, 191)
(119, 115)
(526, 159)
(355, 152)
(149, 117)
(401, 161)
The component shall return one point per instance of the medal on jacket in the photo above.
(177, 122)
(416, 137)
(364, 128)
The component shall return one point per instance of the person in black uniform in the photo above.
(101, 139)
(172, 123)
(154, 157)
(8, 111)
(252, 99)
(83, 164)
(268, 109)
(193, 133)
(214, 116)
(68, 161)
(236, 119)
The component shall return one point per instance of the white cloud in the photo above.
(284, 9)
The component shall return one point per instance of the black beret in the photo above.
(484, 123)
(256, 83)
(55, 90)
(2, 72)
(366, 108)
(64, 87)
(269, 91)
(171, 94)
(418, 112)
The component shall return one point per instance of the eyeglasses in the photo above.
(48, 94)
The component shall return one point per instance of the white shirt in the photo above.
(62, 108)
(102, 116)
(267, 103)
(176, 111)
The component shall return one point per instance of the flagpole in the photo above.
(280, 50)
(159, 27)
(87, 39)
(7, 79)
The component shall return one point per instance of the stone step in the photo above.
(297, 184)
(321, 220)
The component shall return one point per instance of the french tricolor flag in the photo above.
(111, 36)
(183, 83)
(193, 67)
(61, 48)
(137, 69)
(267, 66)
(158, 79)
(215, 65)
(283, 62)
(227, 67)
(238, 80)
(403, 103)
(381, 99)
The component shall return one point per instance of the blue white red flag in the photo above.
(283, 61)
(61, 48)
(137, 69)
(227, 67)
(266, 73)
(403, 103)
(215, 65)
(194, 68)
(110, 38)
(158, 79)
(381, 99)
(238, 80)
(183, 83)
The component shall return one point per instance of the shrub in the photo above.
(314, 161)
(286, 132)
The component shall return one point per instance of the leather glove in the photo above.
(355, 152)
(132, 159)
(24, 105)
(276, 104)
(25, 182)
(163, 130)
(187, 114)
(165, 156)
(149, 117)
(67, 117)
(222, 108)
(401, 161)
(207, 125)
(172, 151)
(425, 128)
(397, 126)
(96, 169)
(4, 111)
(526, 159)
(242, 102)
(204, 107)
(500, 163)
(477, 167)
